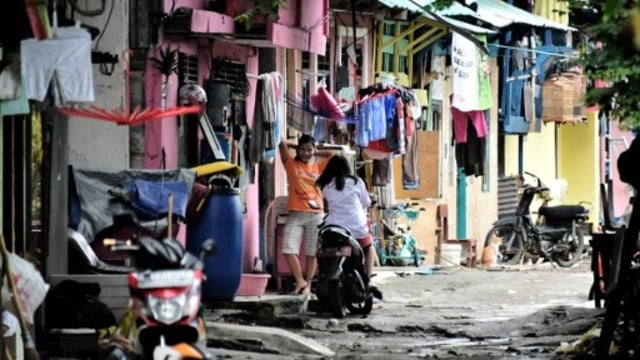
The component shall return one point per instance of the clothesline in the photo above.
(566, 55)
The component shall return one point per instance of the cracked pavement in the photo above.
(527, 312)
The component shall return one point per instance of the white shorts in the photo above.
(299, 222)
(68, 57)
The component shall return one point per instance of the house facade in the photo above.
(311, 43)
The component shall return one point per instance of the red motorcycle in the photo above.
(165, 290)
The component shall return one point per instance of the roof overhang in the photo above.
(500, 14)
(442, 17)
(496, 13)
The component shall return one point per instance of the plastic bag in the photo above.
(30, 286)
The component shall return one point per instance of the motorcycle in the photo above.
(556, 236)
(342, 284)
(165, 319)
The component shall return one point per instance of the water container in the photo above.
(450, 254)
(221, 220)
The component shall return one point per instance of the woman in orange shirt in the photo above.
(305, 209)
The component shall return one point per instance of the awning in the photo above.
(417, 6)
(495, 12)
(500, 14)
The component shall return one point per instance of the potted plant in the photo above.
(166, 63)
(268, 8)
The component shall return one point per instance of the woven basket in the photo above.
(558, 99)
(579, 83)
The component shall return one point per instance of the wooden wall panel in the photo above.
(428, 165)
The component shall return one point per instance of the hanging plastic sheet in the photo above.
(91, 207)
(149, 199)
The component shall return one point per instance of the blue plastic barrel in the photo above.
(220, 220)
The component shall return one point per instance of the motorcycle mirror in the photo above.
(209, 247)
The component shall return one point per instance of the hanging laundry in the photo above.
(410, 169)
(471, 86)
(67, 57)
(266, 127)
(373, 116)
(463, 121)
(470, 155)
(469, 134)
(381, 174)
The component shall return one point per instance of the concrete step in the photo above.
(265, 339)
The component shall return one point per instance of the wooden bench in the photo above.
(114, 292)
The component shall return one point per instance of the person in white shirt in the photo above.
(347, 200)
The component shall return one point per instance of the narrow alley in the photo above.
(526, 312)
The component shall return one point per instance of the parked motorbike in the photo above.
(165, 286)
(557, 236)
(343, 284)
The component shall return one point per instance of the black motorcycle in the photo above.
(342, 281)
(556, 236)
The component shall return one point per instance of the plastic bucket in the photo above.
(450, 254)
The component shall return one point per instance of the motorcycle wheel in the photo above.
(336, 303)
(363, 307)
(569, 257)
(506, 255)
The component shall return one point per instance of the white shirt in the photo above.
(348, 207)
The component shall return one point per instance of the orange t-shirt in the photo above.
(302, 184)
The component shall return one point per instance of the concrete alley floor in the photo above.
(528, 312)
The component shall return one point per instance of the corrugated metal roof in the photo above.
(463, 25)
(495, 12)
(417, 6)
(501, 14)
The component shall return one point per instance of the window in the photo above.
(390, 29)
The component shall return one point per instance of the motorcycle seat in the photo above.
(562, 211)
(334, 231)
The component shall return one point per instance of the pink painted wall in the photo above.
(196, 4)
(249, 56)
(620, 193)
(164, 133)
(307, 15)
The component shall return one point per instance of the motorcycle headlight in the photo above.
(167, 310)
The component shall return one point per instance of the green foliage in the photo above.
(438, 5)
(615, 62)
(167, 61)
(261, 7)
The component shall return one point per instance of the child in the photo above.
(305, 209)
(347, 199)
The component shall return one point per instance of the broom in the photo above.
(30, 352)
